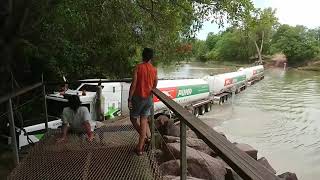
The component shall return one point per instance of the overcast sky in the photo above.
(292, 12)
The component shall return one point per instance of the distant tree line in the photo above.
(260, 34)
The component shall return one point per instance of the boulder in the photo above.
(171, 139)
(200, 145)
(173, 129)
(288, 176)
(248, 149)
(200, 165)
(222, 134)
(266, 164)
(158, 154)
(171, 167)
(194, 143)
(231, 174)
(167, 126)
(191, 134)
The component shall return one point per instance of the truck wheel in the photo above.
(208, 107)
(202, 110)
(196, 112)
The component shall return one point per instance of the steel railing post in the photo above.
(183, 151)
(45, 105)
(153, 139)
(13, 133)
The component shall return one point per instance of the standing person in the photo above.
(99, 104)
(77, 118)
(140, 99)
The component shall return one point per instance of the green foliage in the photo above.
(296, 43)
(212, 40)
(231, 46)
(199, 50)
(98, 38)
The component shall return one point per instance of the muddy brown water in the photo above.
(279, 116)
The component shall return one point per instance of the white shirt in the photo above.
(76, 119)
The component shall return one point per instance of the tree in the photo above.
(259, 26)
(231, 46)
(296, 43)
(199, 50)
(211, 40)
(98, 38)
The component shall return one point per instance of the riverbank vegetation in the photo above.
(103, 39)
(259, 36)
(98, 38)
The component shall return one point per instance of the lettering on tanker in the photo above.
(184, 92)
(171, 92)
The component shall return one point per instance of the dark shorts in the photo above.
(141, 106)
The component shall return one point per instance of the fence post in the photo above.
(183, 151)
(44, 104)
(153, 139)
(13, 133)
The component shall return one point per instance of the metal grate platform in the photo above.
(109, 156)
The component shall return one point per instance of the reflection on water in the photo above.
(279, 116)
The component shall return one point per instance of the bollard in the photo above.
(183, 151)
(44, 104)
(13, 133)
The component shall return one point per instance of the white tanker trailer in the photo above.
(197, 95)
(253, 73)
(226, 82)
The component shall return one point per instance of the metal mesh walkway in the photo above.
(109, 156)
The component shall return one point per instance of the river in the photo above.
(279, 116)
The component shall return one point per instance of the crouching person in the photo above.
(76, 118)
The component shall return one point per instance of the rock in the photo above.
(200, 145)
(247, 149)
(288, 176)
(191, 134)
(170, 168)
(194, 143)
(167, 126)
(200, 165)
(158, 153)
(222, 134)
(231, 174)
(171, 139)
(178, 178)
(266, 164)
(173, 129)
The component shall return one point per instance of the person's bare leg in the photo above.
(148, 133)
(135, 124)
(87, 128)
(143, 132)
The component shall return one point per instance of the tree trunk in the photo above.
(258, 51)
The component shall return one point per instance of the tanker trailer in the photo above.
(253, 74)
(221, 86)
(190, 93)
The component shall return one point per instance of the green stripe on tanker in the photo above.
(184, 91)
(239, 78)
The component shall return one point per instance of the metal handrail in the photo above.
(244, 165)
(19, 92)
(8, 98)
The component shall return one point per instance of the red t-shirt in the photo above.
(146, 74)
